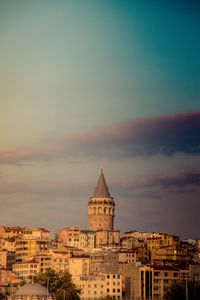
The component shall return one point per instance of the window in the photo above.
(108, 276)
(166, 274)
(108, 290)
(118, 290)
(113, 290)
(113, 276)
(165, 280)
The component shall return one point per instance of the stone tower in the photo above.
(101, 207)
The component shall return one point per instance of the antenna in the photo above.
(101, 166)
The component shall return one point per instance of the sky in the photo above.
(88, 81)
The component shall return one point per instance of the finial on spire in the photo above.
(101, 166)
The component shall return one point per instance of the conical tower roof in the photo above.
(101, 190)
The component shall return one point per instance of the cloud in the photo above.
(182, 179)
(167, 135)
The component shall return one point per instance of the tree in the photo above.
(59, 284)
(177, 291)
(2, 296)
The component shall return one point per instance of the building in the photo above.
(126, 256)
(101, 207)
(79, 265)
(31, 247)
(107, 238)
(152, 281)
(68, 236)
(60, 259)
(44, 260)
(104, 262)
(75, 237)
(26, 269)
(7, 259)
(87, 240)
(36, 233)
(97, 286)
(9, 232)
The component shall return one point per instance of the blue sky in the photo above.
(85, 81)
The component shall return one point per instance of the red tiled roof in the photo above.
(32, 261)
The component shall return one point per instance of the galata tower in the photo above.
(101, 207)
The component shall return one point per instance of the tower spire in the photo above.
(101, 189)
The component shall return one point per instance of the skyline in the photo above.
(85, 82)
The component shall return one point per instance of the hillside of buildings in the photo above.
(137, 265)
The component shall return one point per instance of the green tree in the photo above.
(177, 291)
(59, 284)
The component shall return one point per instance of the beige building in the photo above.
(60, 259)
(79, 265)
(107, 238)
(101, 207)
(44, 260)
(68, 236)
(152, 281)
(97, 286)
(7, 259)
(25, 269)
(104, 262)
(126, 257)
(87, 240)
(31, 247)
(36, 233)
(9, 232)
(173, 252)
(75, 237)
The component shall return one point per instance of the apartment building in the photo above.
(30, 247)
(79, 265)
(44, 260)
(127, 256)
(36, 233)
(107, 238)
(60, 259)
(104, 262)
(68, 236)
(152, 281)
(25, 269)
(101, 285)
(7, 259)
(75, 237)
(87, 240)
